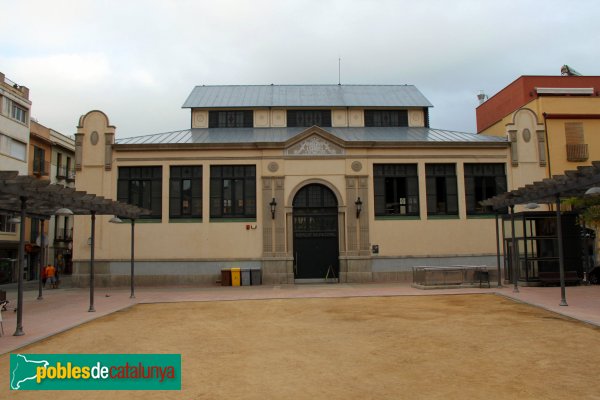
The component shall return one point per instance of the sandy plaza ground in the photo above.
(329, 341)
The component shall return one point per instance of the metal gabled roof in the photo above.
(250, 96)
(280, 135)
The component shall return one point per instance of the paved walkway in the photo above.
(62, 309)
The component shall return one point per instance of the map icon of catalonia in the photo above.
(24, 370)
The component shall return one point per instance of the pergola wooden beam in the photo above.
(44, 198)
(572, 184)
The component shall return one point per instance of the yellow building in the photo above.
(551, 122)
(305, 182)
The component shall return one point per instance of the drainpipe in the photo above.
(547, 145)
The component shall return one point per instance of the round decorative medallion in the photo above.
(94, 138)
(526, 135)
(273, 166)
(199, 118)
(356, 166)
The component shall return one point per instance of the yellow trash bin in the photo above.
(235, 277)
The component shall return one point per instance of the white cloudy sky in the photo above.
(138, 60)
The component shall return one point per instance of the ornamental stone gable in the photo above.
(315, 145)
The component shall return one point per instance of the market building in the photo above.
(305, 182)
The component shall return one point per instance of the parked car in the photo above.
(594, 275)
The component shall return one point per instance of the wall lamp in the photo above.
(115, 220)
(273, 205)
(14, 220)
(358, 204)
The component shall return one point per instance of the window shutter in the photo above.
(250, 197)
(470, 193)
(174, 198)
(500, 184)
(412, 191)
(379, 190)
(123, 190)
(574, 132)
(216, 198)
(431, 195)
(451, 195)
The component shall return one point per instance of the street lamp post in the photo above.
(19, 329)
(515, 259)
(92, 244)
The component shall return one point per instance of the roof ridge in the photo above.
(309, 84)
(153, 134)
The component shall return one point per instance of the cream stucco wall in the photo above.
(347, 171)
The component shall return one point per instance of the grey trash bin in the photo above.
(256, 277)
(245, 277)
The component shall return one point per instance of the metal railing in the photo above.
(62, 172)
(64, 234)
(577, 152)
(41, 167)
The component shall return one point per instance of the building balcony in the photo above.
(61, 172)
(41, 167)
(577, 152)
(64, 235)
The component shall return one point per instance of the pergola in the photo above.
(573, 183)
(31, 197)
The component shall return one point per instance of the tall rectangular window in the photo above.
(233, 191)
(142, 187)
(577, 149)
(442, 196)
(60, 172)
(185, 192)
(483, 181)
(14, 111)
(306, 118)
(39, 156)
(6, 226)
(396, 189)
(231, 119)
(385, 118)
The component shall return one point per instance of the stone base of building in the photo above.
(278, 271)
(275, 271)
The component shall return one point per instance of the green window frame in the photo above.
(396, 188)
(185, 191)
(142, 187)
(441, 187)
(232, 191)
(482, 181)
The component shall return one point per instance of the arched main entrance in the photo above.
(315, 224)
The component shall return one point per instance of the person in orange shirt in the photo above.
(51, 275)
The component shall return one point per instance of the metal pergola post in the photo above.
(561, 255)
(132, 296)
(41, 268)
(498, 250)
(19, 329)
(515, 260)
(93, 240)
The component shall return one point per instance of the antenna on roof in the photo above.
(565, 70)
(339, 71)
(482, 97)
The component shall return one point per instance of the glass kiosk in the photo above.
(537, 247)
